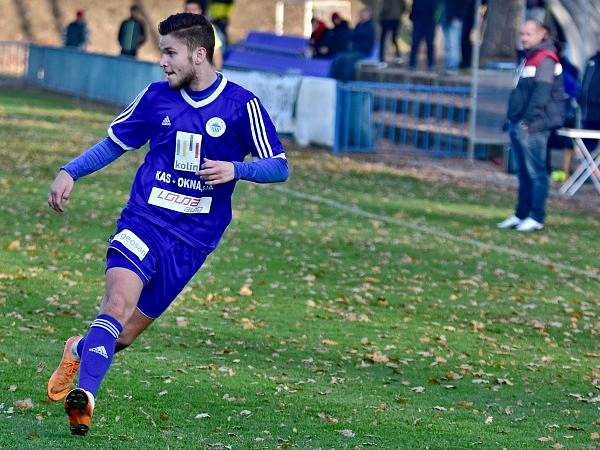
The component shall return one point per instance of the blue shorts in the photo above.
(163, 262)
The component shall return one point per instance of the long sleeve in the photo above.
(93, 159)
(269, 170)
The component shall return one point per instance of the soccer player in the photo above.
(200, 127)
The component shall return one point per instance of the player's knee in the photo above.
(115, 305)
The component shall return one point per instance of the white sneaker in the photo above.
(511, 222)
(530, 224)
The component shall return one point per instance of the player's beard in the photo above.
(184, 79)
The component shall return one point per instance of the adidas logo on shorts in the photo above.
(100, 350)
(166, 121)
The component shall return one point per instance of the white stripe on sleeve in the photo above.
(253, 130)
(129, 110)
(262, 129)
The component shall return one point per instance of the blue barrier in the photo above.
(111, 79)
(270, 42)
(241, 58)
(402, 117)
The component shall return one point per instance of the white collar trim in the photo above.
(208, 99)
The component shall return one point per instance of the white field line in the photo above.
(439, 233)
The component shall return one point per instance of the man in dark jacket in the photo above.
(589, 97)
(422, 16)
(362, 41)
(535, 107)
(132, 33)
(76, 35)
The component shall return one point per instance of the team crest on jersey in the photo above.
(187, 151)
(215, 127)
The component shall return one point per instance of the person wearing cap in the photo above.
(76, 34)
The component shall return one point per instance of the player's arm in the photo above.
(258, 133)
(269, 170)
(93, 159)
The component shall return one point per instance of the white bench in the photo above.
(590, 162)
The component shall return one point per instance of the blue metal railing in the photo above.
(110, 79)
(402, 117)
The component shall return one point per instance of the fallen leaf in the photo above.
(181, 321)
(245, 413)
(347, 433)
(378, 357)
(24, 405)
(245, 291)
(14, 245)
(247, 324)
(489, 420)
(595, 435)
(202, 416)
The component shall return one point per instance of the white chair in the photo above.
(590, 162)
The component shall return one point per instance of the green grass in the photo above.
(407, 339)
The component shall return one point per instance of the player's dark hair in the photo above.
(192, 29)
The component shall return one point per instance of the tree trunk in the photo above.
(501, 29)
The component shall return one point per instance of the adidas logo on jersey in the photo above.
(100, 350)
(166, 121)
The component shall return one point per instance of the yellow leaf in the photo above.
(14, 245)
(247, 324)
(245, 291)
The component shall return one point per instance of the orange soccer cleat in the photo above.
(61, 380)
(79, 406)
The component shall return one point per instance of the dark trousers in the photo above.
(529, 150)
(389, 26)
(422, 31)
(466, 46)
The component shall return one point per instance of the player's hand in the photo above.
(60, 191)
(216, 172)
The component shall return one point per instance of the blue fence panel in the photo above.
(110, 79)
(402, 117)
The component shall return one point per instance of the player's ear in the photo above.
(199, 55)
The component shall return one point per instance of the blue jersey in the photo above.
(226, 126)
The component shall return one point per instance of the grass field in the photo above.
(384, 313)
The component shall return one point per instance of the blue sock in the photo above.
(97, 352)
(79, 347)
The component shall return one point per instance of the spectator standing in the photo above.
(197, 7)
(535, 10)
(589, 97)
(466, 46)
(572, 87)
(132, 33)
(422, 16)
(219, 12)
(453, 23)
(362, 41)
(76, 34)
(535, 107)
(390, 20)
